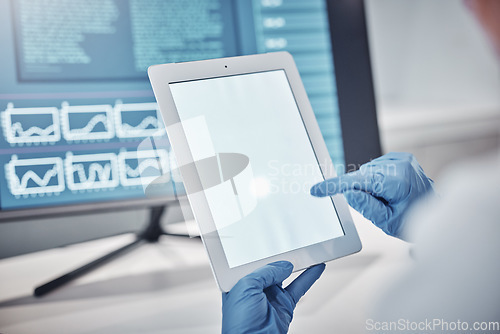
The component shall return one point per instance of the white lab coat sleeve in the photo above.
(455, 276)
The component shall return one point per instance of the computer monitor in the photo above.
(76, 103)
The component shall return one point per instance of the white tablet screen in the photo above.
(256, 115)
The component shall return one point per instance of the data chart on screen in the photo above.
(76, 104)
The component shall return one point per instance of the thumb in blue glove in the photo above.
(259, 304)
(381, 190)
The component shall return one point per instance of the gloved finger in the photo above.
(328, 187)
(273, 273)
(303, 283)
(369, 181)
(370, 207)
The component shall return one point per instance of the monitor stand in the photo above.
(151, 233)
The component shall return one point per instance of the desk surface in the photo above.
(169, 288)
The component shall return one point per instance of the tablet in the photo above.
(248, 149)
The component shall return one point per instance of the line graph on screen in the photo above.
(135, 120)
(91, 171)
(35, 176)
(138, 168)
(31, 125)
(84, 123)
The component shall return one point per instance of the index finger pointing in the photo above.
(338, 185)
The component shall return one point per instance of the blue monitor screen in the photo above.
(76, 104)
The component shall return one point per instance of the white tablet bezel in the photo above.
(163, 75)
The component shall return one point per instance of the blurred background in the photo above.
(437, 81)
(437, 86)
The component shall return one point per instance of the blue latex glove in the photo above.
(381, 190)
(258, 303)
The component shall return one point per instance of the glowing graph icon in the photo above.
(91, 171)
(137, 168)
(35, 176)
(95, 122)
(133, 120)
(23, 125)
